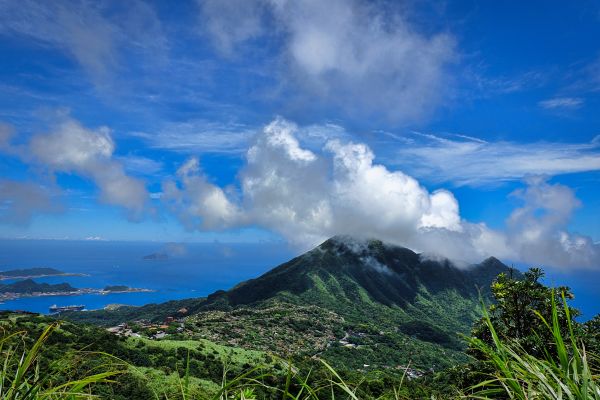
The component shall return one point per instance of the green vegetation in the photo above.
(563, 372)
(25, 374)
(506, 370)
(347, 320)
(352, 303)
(283, 328)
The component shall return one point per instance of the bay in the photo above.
(178, 270)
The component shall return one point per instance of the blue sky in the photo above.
(461, 128)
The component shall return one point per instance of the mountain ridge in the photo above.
(370, 262)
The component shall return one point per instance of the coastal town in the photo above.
(151, 330)
(174, 328)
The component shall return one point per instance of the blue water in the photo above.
(192, 270)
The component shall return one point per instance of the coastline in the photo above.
(22, 277)
(8, 296)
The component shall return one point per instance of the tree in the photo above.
(522, 304)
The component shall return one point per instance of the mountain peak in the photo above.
(353, 269)
(359, 246)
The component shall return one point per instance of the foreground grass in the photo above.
(22, 378)
(564, 373)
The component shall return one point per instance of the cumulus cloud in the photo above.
(464, 160)
(197, 202)
(308, 196)
(73, 148)
(20, 201)
(347, 53)
(537, 230)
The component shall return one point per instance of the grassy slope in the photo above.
(154, 364)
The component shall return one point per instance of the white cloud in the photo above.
(73, 148)
(561, 103)
(537, 230)
(464, 160)
(6, 134)
(231, 22)
(197, 202)
(346, 53)
(307, 196)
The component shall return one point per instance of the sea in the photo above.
(186, 270)
(173, 270)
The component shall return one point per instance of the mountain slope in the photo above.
(353, 301)
(390, 275)
(393, 300)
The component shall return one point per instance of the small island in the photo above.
(30, 273)
(117, 288)
(156, 257)
(123, 289)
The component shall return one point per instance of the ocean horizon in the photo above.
(189, 270)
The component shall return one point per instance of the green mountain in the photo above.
(397, 306)
(349, 273)
(355, 302)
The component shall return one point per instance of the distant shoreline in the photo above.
(8, 296)
(9, 277)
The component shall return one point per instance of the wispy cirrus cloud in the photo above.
(199, 136)
(140, 165)
(464, 160)
(202, 136)
(94, 34)
(569, 103)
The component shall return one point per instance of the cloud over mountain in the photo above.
(307, 196)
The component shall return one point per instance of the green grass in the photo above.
(224, 353)
(22, 378)
(565, 373)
